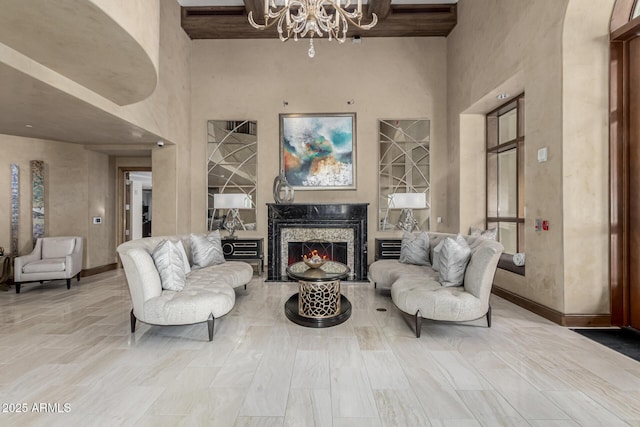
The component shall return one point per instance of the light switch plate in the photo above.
(542, 155)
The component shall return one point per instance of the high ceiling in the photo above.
(227, 19)
(32, 107)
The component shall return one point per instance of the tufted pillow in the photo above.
(491, 233)
(454, 257)
(435, 255)
(172, 263)
(415, 249)
(206, 250)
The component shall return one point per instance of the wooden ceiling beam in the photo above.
(257, 7)
(381, 8)
(231, 22)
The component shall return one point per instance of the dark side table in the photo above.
(388, 248)
(244, 249)
(6, 262)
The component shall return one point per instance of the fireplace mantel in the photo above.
(319, 215)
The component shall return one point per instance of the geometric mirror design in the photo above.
(232, 154)
(403, 168)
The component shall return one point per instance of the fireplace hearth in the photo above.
(342, 224)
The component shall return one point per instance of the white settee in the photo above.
(207, 295)
(415, 289)
(52, 258)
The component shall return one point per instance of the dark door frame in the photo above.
(623, 30)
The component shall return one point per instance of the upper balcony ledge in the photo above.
(80, 41)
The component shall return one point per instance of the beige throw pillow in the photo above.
(415, 249)
(172, 263)
(435, 255)
(206, 250)
(454, 257)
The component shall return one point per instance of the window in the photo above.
(505, 174)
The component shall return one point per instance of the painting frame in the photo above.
(318, 150)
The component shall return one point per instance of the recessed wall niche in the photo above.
(232, 148)
(403, 168)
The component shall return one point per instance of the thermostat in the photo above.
(97, 220)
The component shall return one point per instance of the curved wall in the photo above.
(108, 53)
(140, 18)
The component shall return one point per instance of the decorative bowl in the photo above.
(315, 264)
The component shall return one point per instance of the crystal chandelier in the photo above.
(298, 18)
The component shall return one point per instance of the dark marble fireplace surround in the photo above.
(319, 215)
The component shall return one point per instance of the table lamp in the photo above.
(407, 202)
(232, 202)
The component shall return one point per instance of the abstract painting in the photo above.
(318, 151)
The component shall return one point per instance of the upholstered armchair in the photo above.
(52, 258)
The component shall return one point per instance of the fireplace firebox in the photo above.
(345, 224)
(331, 251)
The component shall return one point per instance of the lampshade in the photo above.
(232, 201)
(407, 201)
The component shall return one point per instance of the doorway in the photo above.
(139, 191)
(135, 203)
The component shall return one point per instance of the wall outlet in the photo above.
(439, 220)
(97, 220)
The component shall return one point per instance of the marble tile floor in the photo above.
(72, 351)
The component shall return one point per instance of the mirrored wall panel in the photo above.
(232, 159)
(403, 168)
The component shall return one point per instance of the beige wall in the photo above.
(100, 243)
(529, 48)
(170, 103)
(250, 79)
(585, 174)
(165, 205)
(78, 185)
